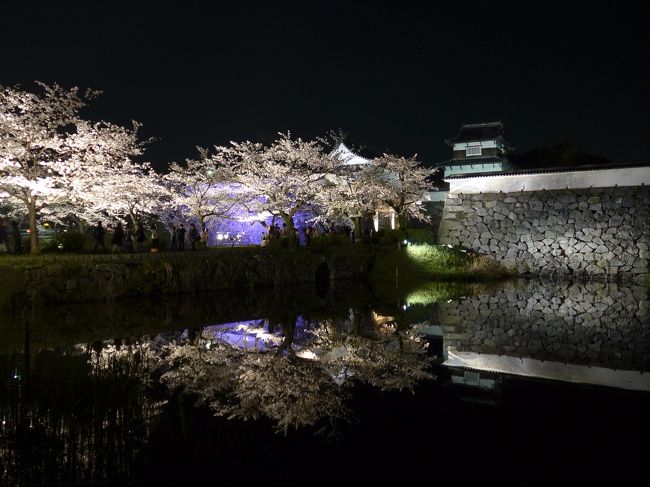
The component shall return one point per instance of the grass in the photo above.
(426, 261)
(425, 274)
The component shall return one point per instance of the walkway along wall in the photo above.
(78, 278)
(587, 224)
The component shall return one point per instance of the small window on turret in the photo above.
(473, 151)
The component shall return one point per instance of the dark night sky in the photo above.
(399, 77)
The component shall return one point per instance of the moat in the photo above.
(523, 382)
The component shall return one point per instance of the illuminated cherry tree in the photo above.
(106, 182)
(281, 179)
(133, 191)
(36, 131)
(202, 188)
(350, 196)
(401, 183)
(53, 161)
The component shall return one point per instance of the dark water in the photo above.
(521, 383)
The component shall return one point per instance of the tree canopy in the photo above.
(56, 165)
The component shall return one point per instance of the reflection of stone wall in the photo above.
(601, 233)
(591, 323)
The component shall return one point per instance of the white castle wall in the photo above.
(597, 178)
(585, 224)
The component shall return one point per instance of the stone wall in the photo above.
(78, 278)
(601, 233)
(590, 323)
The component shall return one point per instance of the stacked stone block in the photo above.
(591, 323)
(595, 233)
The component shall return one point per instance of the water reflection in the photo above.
(66, 419)
(297, 376)
(86, 389)
(580, 332)
(81, 390)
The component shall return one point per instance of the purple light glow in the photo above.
(247, 229)
(257, 335)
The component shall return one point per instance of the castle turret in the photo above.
(478, 148)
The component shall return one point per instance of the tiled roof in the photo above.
(478, 131)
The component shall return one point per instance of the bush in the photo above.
(69, 242)
(327, 241)
(278, 243)
(413, 236)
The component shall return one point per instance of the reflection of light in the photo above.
(244, 335)
(404, 306)
(307, 354)
(405, 242)
(60, 246)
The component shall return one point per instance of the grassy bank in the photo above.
(427, 261)
(449, 271)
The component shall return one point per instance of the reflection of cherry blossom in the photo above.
(292, 390)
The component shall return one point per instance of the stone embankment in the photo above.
(595, 233)
(591, 323)
(78, 278)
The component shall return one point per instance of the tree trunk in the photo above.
(357, 228)
(290, 229)
(134, 220)
(401, 221)
(33, 231)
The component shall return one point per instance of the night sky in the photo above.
(400, 77)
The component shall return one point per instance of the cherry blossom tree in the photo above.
(132, 191)
(401, 183)
(202, 188)
(361, 187)
(106, 182)
(36, 131)
(350, 196)
(281, 179)
(52, 160)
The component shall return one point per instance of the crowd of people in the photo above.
(305, 234)
(127, 239)
(130, 238)
(122, 238)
